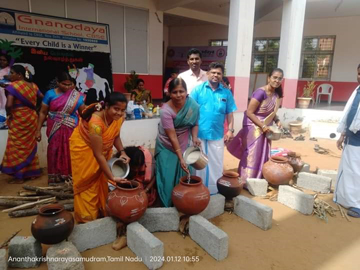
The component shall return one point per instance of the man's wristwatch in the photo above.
(231, 130)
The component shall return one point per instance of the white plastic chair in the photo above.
(324, 89)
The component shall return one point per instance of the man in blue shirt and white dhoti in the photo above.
(216, 103)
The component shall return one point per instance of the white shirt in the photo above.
(191, 80)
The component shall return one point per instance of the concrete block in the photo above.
(215, 207)
(296, 199)
(329, 173)
(3, 259)
(257, 187)
(314, 182)
(24, 252)
(213, 240)
(160, 219)
(305, 168)
(256, 213)
(64, 256)
(145, 245)
(93, 234)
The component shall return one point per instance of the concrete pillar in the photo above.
(240, 38)
(292, 26)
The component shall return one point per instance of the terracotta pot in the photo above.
(278, 171)
(304, 102)
(128, 202)
(295, 161)
(229, 184)
(295, 127)
(190, 198)
(53, 224)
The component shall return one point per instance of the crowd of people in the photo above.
(198, 111)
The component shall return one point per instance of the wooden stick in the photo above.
(29, 205)
(341, 211)
(11, 203)
(60, 195)
(20, 198)
(346, 215)
(6, 242)
(69, 201)
(35, 211)
(23, 193)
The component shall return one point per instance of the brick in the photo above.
(215, 207)
(160, 219)
(305, 168)
(213, 240)
(94, 234)
(296, 199)
(21, 248)
(314, 182)
(329, 173)
(64, 256)
(145, 245)
(256, 213)
(3, 260)
(257, 187)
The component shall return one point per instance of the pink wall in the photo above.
(341, 92)
(152, 83)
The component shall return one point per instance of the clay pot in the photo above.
(229, 184)
(278, 171)
(190, 198)
(295, 161)
(128, 202)
(53, 224)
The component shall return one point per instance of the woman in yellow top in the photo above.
(90, 147)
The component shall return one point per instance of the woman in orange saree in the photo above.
(20, 158)
(90, 147)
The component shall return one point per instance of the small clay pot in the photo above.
(190, 197)
(295, 161)
(229, 184)
(53, 224)
(278, 171)
(128, 201)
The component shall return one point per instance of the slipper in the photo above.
(313, 139)
(300, 138)
(354, 212)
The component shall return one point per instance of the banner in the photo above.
(48, 45)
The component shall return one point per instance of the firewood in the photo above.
(30, 204)
(7, 241)
(59, 195)
(20, 198)
(35, 211)
(23, 193)
(11, 203)
(68, 201)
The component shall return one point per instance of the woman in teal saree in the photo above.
(178, 120)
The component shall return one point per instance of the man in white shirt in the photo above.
(195, 75)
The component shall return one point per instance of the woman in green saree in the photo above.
(178, 119)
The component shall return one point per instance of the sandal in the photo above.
(354, 212)
(300, 138)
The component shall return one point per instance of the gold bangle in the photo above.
(264, 126)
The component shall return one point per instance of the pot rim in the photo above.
(230, 174)
(183, 180)
(278, 159)
(132, 183)
(56, 207)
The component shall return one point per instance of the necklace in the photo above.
(106, 123)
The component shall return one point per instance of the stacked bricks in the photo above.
(213, 240)
(257, 187)
(67, 253)
(296, 199)
(314, 182)
(24, 252)
(145, 245)
(160, 219)
(329, 173)
(93, 234)
(215, 207)
(256, 213)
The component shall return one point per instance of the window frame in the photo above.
(265, 53)
(218, 40)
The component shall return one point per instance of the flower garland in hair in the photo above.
(88, 111)
(27, 73)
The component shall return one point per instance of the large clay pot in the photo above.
(190, 197)
(128, 202)
(229, 184)
(278, 171)
(53, 224)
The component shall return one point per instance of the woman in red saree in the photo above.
(61, 106)
(20, 158)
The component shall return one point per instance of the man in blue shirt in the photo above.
(216, 103)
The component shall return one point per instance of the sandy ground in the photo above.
(295, 241)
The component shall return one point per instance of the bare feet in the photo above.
(119, 243)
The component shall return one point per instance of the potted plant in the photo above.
(130, 83)
(307, 95)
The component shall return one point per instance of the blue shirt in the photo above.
(214, 106)
(353, 138)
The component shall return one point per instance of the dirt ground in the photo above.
(295, 241)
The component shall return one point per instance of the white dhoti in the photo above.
(213, 171)
(347, 190)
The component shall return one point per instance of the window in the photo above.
(265, 54)
(218, 42)
(316, 57)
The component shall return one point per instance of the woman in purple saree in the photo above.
(250, 145)
(61, 106)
